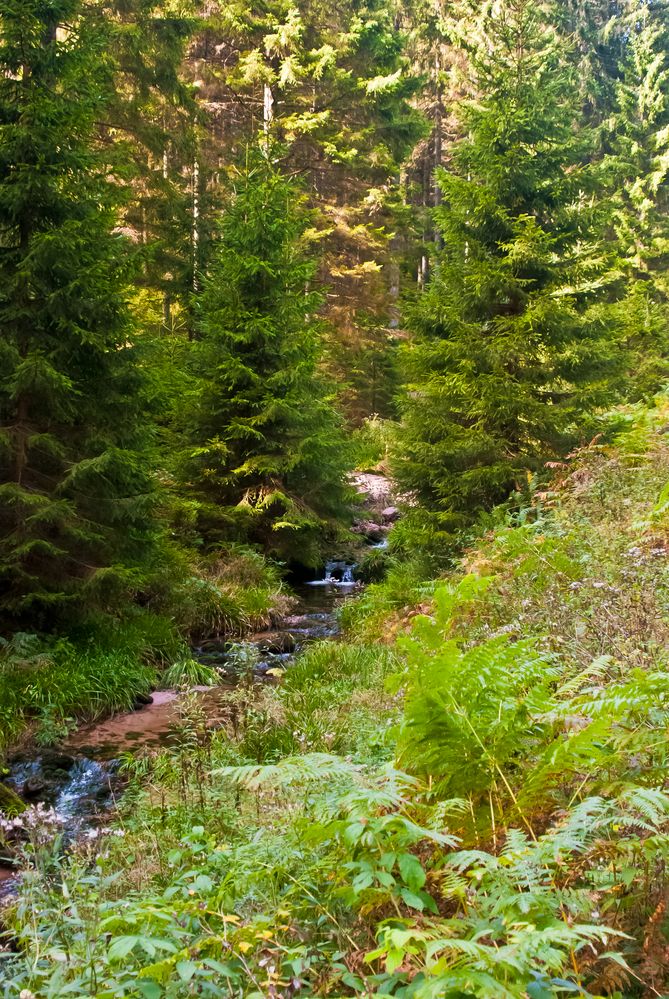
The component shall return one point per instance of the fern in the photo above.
(291, 770)
(470, 715)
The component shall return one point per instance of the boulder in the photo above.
(299, 623)
(390, 514)
(273, 641)
(371, 530)
(141, 701)
(33, 787)
(55, 760)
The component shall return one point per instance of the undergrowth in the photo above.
(104, 664)
(475, 808)
(52, 684)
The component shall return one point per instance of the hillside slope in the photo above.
(477, 809)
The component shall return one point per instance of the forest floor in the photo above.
(465, 797)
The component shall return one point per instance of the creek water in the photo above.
(79, 779)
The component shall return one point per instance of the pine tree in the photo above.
(75, 496)
(597, 37)
(267, 459)
(334, 88)
(510, 354)
(152, 128)
(637, 168)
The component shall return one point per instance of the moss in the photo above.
(10, 803)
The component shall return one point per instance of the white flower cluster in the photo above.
(104, 831)
(36, 817)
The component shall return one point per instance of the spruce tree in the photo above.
(75, 496)
(267, 458)
(637, 169)
(510, 355)
(335, 89)
(153, 120)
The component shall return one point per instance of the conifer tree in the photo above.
(75, 496)
(597, 38)
(334, 88)
(267, 459)
(508, 358)
(153, 124)
(638, 172)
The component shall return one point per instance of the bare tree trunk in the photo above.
(196, 223)
(167, 309)
(267, 112)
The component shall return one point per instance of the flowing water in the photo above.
(338, 575)
(80, 780)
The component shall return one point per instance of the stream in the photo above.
(79, 779)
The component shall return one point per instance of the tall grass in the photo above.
(100, 670)
(233, 591)
(104, 663)
(375, 614)
(332, 699)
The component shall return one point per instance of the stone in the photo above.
(370, 530)
(55, 761)
(10, 803)
(273, 641)
(33, 787)
(297, 621)
(141, 701)
(391, 513)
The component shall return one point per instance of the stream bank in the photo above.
(79, 779)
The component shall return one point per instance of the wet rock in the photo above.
(273, 641)
(141, 701)
(56, 763)
(34, 787)
(54, 776)
(390, 514)
(214, 645)
(370, 530)
(298, 621)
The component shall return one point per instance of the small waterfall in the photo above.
(76, 788)
(21, 773)
(88, 786)
(77, 796)
(337, 573)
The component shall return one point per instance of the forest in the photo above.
(334, 499)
